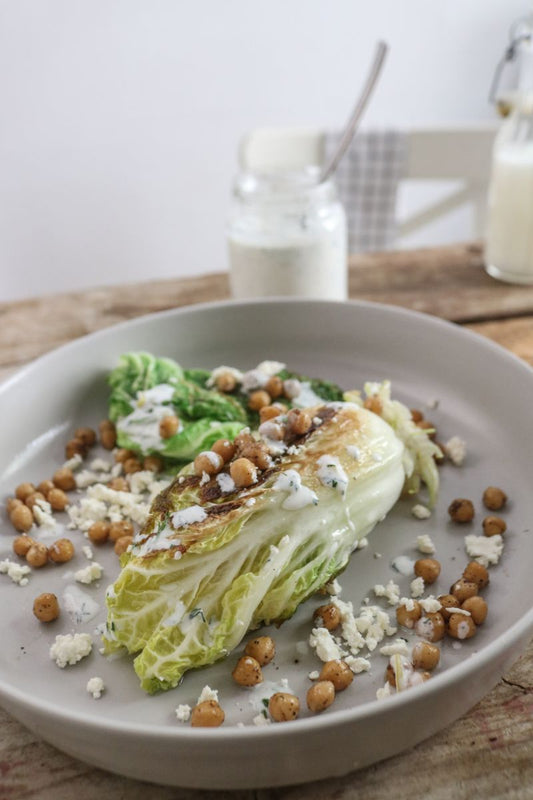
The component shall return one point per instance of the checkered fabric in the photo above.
(367, 181)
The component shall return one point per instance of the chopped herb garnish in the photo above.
(197, 612)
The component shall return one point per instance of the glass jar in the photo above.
(509, 250)
(287, 237)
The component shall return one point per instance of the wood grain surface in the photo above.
(486, 754)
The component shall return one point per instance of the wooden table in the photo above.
(486, 754)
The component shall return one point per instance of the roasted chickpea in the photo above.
(45, 487)
(23, 491)
(258, 399)
(168, 426)
(46, 607)
(257, 454)
(225, 382)
(153, 463)
(493, 526)
(225, 449)
(298, 422)
(431, 627)
(98, 533)
(327, 616)
(268, 412)
(37, 555)
(132, 465)
(119, 485)
(86, 435)
(374, 404)
(428, 569)
(58, 499)
(63, 478)
(416, 415)
(119, 529)
(11, 503)
(478, 609)
(283, 707)
(247, 672)
(274, 386)
(21, 518)
(447, 601)
(494, 498)
(122, 454)
(262, 648)
(21, 544)
(407, 618)
(243, 472)
(108, 434)
(425, 655)
(320, 696)
(207, 714)
(461, 626)
(338, 672)
(209, 462)
(122, 544)
(75, 447)
(463, 589)
(461, 510)
(476, 573)
(33, 497)
(61, 551)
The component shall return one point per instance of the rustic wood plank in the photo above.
(515, 335)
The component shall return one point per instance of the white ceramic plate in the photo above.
(484, 396)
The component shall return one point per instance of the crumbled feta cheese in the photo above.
(314, 675)
(420, 512)
(317, 421)
(484, 549)
(430, 604)
(362, 543)
(73, 463)
(453, 610)
(250, 502)
(261, 719)
(424, 544)
(456, 450)
(95, 686)
(183, 713)
(92, 572)
(207, 694)
(417, 587)
(204, 479)
(87, 551)
(408, 603)
(226, 484)
(42, 512)
(358, 664)
(391, 592)
(141, 481)
(384, 692)
(17, 572)
(377, 555)
(87, 477)
(70, 648)
(324, 643)
(333, 587)
(398, 647)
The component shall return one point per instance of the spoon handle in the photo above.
(357, 113)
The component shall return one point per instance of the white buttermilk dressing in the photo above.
(353, 451)
(330, 473)
(188, 516)
(79, 605)
(142, 425)
(225, 482)
(306, 398)
(298, 496)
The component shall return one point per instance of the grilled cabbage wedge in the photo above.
(209, 565)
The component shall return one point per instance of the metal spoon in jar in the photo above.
(357, 113)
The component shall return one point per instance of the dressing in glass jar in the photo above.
(287, 237)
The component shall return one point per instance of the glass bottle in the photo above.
(509, 247)
(287, 237)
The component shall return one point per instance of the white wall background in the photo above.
(120, 118)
